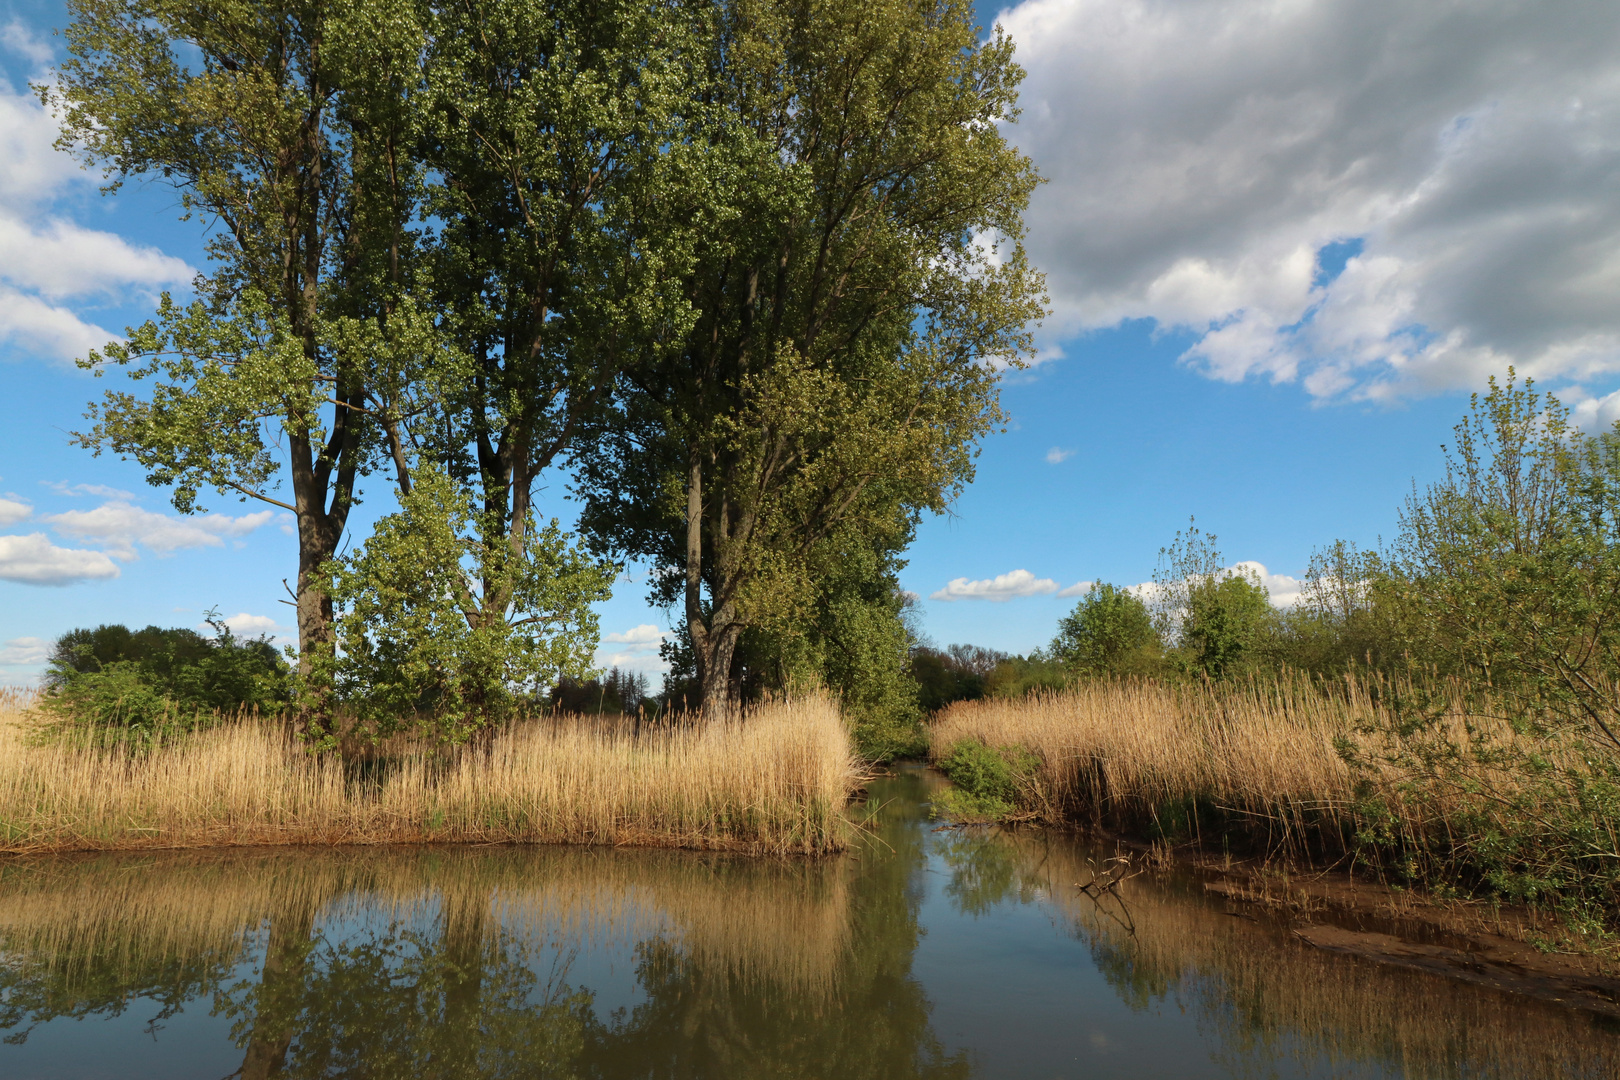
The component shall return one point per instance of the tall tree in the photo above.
(288, 124)
(554, 134)
(858, 272)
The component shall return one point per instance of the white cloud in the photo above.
(1057, 455)
(63, 260)
(1079, 588)
(21, 40)
(25, 652)
(44, 257)
(244, 625)
(12, 511)
(645, 635)
(34, 560)
(637, 651)
(1202, 155)
(999, 588)
(120, 526)
(32, 325)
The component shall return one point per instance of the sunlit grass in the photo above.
(774, 780)
(1215, 762)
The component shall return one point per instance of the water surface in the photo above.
(928, 953)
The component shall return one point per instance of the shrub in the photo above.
(986, 780)
(154, 681)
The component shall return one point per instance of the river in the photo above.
(926, 953)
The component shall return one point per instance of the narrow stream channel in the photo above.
(927, 953)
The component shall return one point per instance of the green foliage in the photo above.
(1110, 632)
(154, 681)
(417, 642)
(832, 385)
(1226, 619)
(287, 124)
(1217, 620)
(1504, 578)
(957, 673)
(1527, 820)
(1019, 676)
(987, 780)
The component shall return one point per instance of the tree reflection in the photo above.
(784, 970)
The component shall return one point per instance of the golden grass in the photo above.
(775, 780)
(1263, 754)
(1110, 749)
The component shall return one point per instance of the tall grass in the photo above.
(1132, 752)
(1433, 785)
(773, 781)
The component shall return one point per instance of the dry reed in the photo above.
(1261, 756)
(775, 780)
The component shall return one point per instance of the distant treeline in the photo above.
(1506, 573)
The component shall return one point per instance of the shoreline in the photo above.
(1331, 910)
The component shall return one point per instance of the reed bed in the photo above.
(772, 781)
(1118, 751)
(1261, 760)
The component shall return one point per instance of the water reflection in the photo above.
(929, 954)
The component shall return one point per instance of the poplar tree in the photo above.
(858, 279)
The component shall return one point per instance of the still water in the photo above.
(926, 954)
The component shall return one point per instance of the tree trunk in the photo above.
(280, 996)
(713, 642)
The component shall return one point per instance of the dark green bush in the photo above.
(155, 680)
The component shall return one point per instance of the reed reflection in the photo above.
(1268, 1004)
(463, 962)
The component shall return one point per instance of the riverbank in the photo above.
(774, 783)
(1286, 775)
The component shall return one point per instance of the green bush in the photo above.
(152, 681)
(986, 780)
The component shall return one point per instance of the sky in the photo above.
(1284, 240)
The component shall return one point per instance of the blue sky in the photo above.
(1283, 244)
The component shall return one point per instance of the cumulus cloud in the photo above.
(646, 634)
(1057, 455)
(1079, 588)
(119, 526)
(46, 258)
(62, 260)
(637, 650)
(34, 560)
(30, 325)
(12, 511)
(1372, 198)
(999, 588)
(25, 652)
(243, 624)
